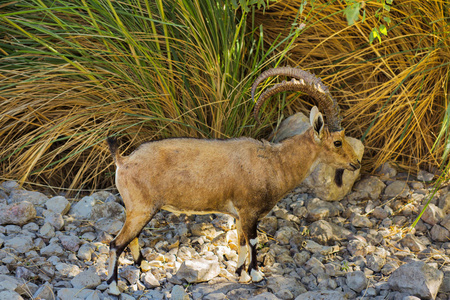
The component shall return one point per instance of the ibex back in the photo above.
(241, 177)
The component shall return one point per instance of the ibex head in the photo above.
(337, 152)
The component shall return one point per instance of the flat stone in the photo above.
(83, 208)
(10, 185)
(319, 209)
(326, 232)
(372, 186)
(87, 279)
(439, 233)
(277, 283)
(356, 280)
(198, 270)
(412, 242)
(35, 198)
(361, 221)
(178, 293)
(398, 189)
(17, 214)
(321, 295)
(21, 244)
(417, 279)
(432, 214)
(386, 171)
(70, 242)
(58, 204)
(425, 176)
(52, 250)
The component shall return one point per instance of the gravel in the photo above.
(358, 248)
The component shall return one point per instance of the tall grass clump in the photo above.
(74, 72)
(394, 94)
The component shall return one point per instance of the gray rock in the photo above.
(85, 252)
(178, 293)
(386, 171)
(35, 198)
(10, 295)
(439, 233)
(109, 217)
(73, 293)
(361, 221)
(412, 242)
(321, 180)
(52, 250)
(198, 270)
(445, 286)
(21, 244)
(18, 213)
(47, 231)
(432, 214)
(131, 274)
(325, 232)
(314, 247)
(10, 283)
(67, 270)
(262, 296)
(418, 279)
(87, 279)
(204, 229)
(398, 188)
(150, 281)
(356, 280)
(284, 234)
(45, 292)
(444, 203)
(58, 204)
(321, 295)
(319, 209)
(446, 222)
(357, 247)
(425, 176)
(83, 208)
(70, 242)
(389, 267)
(371, 186)
(277, 284)
(54, 218)
(9, 186)
(380, 213)
(375, 262)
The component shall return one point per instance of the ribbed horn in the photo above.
(302, 81)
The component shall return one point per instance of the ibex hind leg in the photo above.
(134, 224)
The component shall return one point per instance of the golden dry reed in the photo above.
(393, 94)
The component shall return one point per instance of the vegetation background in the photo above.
(74, 72)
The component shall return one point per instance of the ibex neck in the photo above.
(299, 157)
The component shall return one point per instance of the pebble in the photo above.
(309, 248)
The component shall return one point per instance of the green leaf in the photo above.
(386, 7)
(387, 19)
(351, 12)
(383, 29)
(389, 1)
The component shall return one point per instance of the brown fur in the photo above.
(241, 177)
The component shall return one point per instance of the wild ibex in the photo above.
(241, 177)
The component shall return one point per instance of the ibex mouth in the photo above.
(355, 166)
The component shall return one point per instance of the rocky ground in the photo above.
(358, 248)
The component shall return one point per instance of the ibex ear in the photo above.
(317, 123)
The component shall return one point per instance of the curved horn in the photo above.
(305, 82)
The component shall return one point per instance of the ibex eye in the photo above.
(337, 143)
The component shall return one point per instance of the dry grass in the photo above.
(393, 94)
